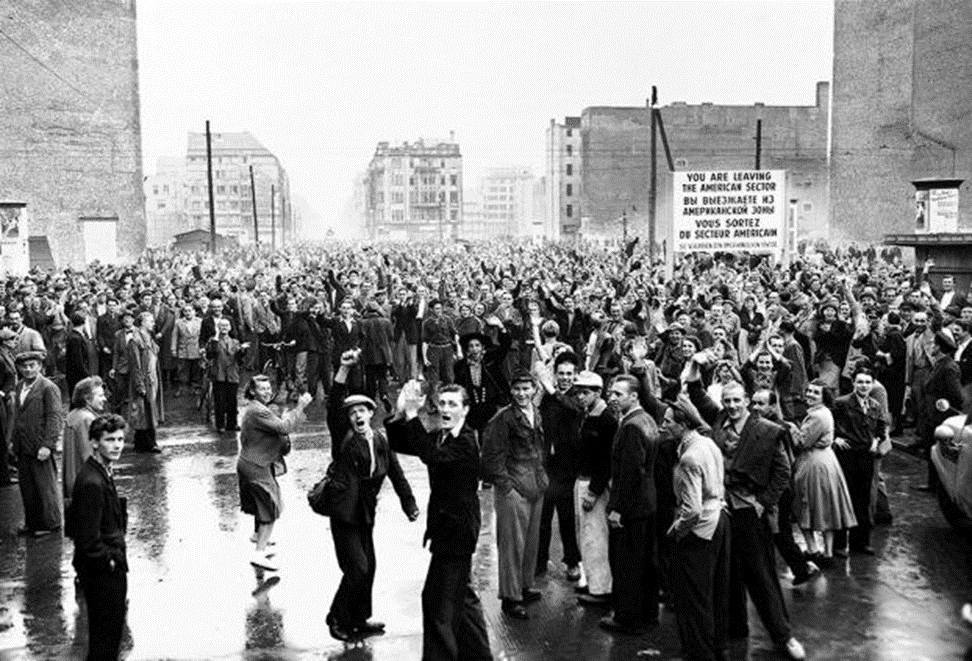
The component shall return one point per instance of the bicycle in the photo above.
(274, 368)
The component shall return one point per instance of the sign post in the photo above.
(729, 211)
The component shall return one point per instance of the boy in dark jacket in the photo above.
(97, 521)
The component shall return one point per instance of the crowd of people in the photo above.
(680, 422)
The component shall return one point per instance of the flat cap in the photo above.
(588, 379)
(521, 376)
(25, 356)
(355, 400)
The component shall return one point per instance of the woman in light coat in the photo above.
(143, 384)
(87, 403)
(264, 440)
(821, 500)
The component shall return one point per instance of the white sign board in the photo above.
(729, 210)
(944, 210)
(14, 255)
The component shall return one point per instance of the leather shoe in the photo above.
(515, 610)
(531, 595)
(338, 632)
(573, 573)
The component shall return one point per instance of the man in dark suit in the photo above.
(480, 372)
(97, 521)
(120, 369)
(859, 427)
(106, 327)
(453, 625)
(943, 383)
(81, 356)
(631, 511)
(207, 328)
(346, 331)
(757, 473)
(36, 427)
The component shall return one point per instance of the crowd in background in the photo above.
(834, 353)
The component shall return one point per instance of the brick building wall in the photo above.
(902, 89)
(616, 148)
(70, 140)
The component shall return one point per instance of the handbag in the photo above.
(319, 497)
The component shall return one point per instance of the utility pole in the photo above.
(273, 218)
(653, 177)
(212, 202)
(759, 141)
(256, 226)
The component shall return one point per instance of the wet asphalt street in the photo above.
(193, 594)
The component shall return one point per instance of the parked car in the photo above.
(952, 458)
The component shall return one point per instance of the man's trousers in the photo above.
(453, 626)
(754, 571)
(634, 572)
(560, 497)
(858, 467)
(355, 549)
(700, 577)
(40, 493)
(104, 594)
(517, 541)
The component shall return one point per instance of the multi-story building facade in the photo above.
(414, 191)
(177, 195)
(563, 217)
(513, 198)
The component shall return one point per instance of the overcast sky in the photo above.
(320, 83)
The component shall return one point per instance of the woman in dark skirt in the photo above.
(264, 439)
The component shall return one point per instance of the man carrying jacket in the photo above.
(757, 472)
(454, 628)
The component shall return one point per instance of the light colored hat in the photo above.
(588, 379)
(355, 400)
(7, 334)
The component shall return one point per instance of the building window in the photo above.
(570, 189)
(454, 197)
(570, 132)
(441, 164)
(570, 210)
(398, 215)
(570, 150)
(235, 190)
(454, 214)
(221, 190)
(161, 204)
(453, 180)
(411, 181)
(570, 169)
(155, 190)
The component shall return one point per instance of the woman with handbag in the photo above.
(264, 440)
(361, 458)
